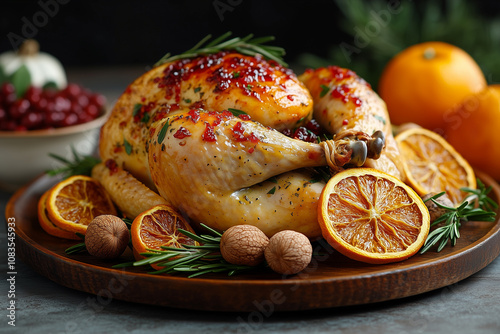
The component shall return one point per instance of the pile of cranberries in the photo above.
(309, 133)
(47, 108)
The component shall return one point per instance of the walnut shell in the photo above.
(107, 237)
(288, 252)
(243, 245)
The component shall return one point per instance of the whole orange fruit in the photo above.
(426, 80)
(473, 130)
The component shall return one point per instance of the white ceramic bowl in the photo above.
(25, 155)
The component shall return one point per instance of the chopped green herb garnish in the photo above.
(163, 131)
(136, 109)
(324, 90)
(236, 112)
(380, 118)
(272, 191)
(127, 146)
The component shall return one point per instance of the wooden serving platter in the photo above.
(330, 280)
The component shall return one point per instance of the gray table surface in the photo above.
(42, 306)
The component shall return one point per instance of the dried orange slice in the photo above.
(49, 226)
(432, 165)
(159, 226)
(372, 217)
(74, 202)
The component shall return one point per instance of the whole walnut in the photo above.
(288, 252)
(107, 237)
(243, 245)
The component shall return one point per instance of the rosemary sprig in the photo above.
(197, 260)
(81, 165)
(80, 247)
(247, 45)
(476, 207)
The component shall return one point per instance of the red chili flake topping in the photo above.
(154, 157)
(209, 134)
(240, 136)
(340, 73)
(239, 132)
(144, 111)
(245, 117)
(251, 149)
(112, 166)
(253, 138)
(345, 122)
(195, 115)
(197, 105)
(118, 148)
(290, 97)
(226, 70)
(344, 94)
(182, 133)
(151, 131)
(341, 93)
(122, 124)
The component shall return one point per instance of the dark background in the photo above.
(116, 33)
(127, 32)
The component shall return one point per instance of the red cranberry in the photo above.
(19, 108)
(92, 110)
(33, 94)
(70, 119)
(9, 94)
(61, 104)
(313, 126)
(72, 90)
(54, 119)
(82, 100)
(32, 120)
(3, 115)
(98, 100)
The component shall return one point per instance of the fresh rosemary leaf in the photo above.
(195, 259)
(272, 191)
(454, 217)
(136, 109)
(236, 112)
(246, 45)
(81, 165)
(127, 146)
(163, 131)
(324, 90)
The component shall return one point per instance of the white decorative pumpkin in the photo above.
(43, 68)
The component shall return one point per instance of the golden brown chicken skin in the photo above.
(268, 92)
(345, 104)
(223, 170)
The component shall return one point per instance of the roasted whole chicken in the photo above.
(206, 134)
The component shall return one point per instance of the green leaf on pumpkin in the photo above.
(50, 85)
(3, 76)
(21, 79)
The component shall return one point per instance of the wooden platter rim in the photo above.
(491, 238)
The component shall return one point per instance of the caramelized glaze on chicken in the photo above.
(345, 105)
(224, 170)
(268, 92)
(216, 168)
